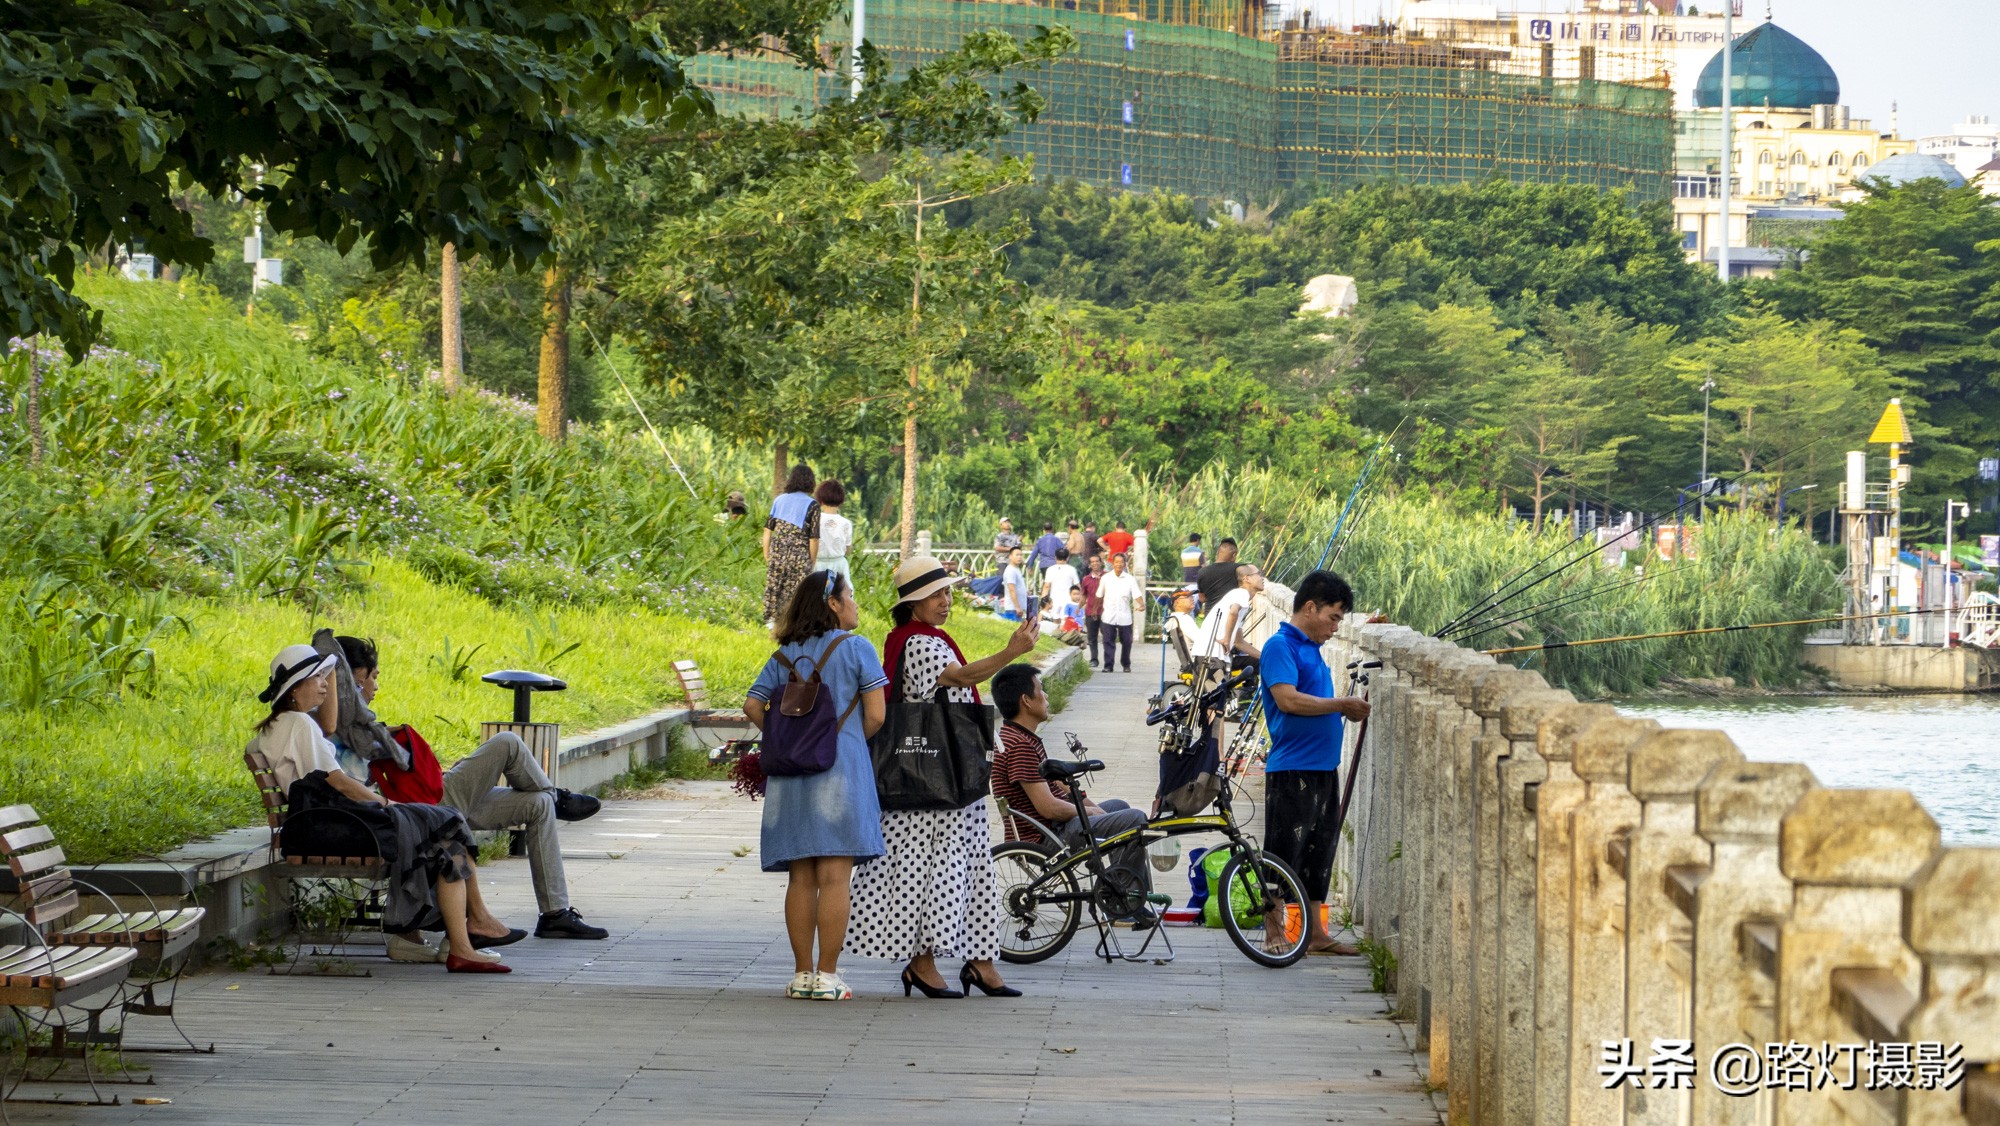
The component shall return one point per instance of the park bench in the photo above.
(349, 887)
(700, 716)
(44, 977)
(160, 937)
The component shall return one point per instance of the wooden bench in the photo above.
(695, 688)
(160, 938)
(369, 871)
(51, 977)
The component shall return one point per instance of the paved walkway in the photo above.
(679, 1017)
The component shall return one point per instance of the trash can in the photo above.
(543, 739)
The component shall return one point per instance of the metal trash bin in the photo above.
(543, 739)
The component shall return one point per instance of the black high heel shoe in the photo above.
(912, 981)
(967, 979)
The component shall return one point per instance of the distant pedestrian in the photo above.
(1192, 559)
(1046, 547)
(1004, 541)
(791, 540)
(836, 532)
(1075, 545)
(1093, 605)
(1014, 604)
(1071, 629)
(1092, 549)
(818, 826)
(1058, 579)
(1218, 578)
(1124, 602)
(1304, 717)
(1118, 541)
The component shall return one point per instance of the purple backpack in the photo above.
(802, 734)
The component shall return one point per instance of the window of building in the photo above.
(1835, 161)
(1764, 157)
(1690, 239)
(1860, 161)
(1692, 187)
(1798, 160)
(1764, 187)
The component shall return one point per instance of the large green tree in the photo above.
(335, 117)
(1915, 272)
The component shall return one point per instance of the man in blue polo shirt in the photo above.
(1301, 795)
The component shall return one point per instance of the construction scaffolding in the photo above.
(1201, 97)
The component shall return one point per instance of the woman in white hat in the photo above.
(933, 892)
(435, 878)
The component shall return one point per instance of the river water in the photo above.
(1944, 749)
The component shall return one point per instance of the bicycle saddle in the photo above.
(1056, 770)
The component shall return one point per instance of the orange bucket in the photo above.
(1293, 918)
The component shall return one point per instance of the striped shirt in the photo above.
(1020, 761)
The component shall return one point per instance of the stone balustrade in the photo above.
(1551, 875)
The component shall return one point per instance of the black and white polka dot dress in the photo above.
(933, 890)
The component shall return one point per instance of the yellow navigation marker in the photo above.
(1892, 427)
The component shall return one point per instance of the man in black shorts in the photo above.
(1301, 791)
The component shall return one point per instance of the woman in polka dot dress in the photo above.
(933, 892)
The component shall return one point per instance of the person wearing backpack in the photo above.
(817, 701)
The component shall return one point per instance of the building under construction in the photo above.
(1218, 100)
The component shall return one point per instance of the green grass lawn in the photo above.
(145, 773)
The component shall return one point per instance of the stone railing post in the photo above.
(1459, 727)
(1608, 811)
(1141, 553)
(1848, 854)
(1520, 723)
(1666, 769)
(1950, 921)
(923, 541)
(1737, 810)
(1490, 693)
(1559, 792)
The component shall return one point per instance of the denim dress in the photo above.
(832, 813)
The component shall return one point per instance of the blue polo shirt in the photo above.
(1298, 742)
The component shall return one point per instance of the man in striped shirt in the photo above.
(1018, 781)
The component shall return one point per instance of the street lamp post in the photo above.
(1781, 505)
(1701, 503)
(1952, 508)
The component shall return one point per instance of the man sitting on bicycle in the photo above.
(1017, 777)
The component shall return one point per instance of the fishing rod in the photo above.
(1355, 495)
(661, 442)
(1502, 595)
(1466, 633)
(1548, 645)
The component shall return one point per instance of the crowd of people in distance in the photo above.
(913, 886)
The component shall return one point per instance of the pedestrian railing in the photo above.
(1595, 919)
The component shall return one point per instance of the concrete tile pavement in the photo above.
(679, 1016)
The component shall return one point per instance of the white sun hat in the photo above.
(293, 664)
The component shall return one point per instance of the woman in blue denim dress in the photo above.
(818, 826)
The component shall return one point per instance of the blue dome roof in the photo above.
(1904, 168)
(1769, 66)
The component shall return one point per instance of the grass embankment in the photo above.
(147, 772)
(212, 489)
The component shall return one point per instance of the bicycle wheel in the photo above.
(1032, 928)
(1269, 888)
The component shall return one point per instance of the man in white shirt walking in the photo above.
(1123, 603)
(1014, 605)
(1057, 580)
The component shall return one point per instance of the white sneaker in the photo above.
(403, 950)
(802, 986)
(830, 988)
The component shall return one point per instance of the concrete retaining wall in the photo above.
(1917, 668)
(1551, 875)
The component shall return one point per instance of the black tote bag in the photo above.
(934, 754)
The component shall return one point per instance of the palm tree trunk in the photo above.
(453, 367)
(909, 521)
(780, 467)
(552, 384)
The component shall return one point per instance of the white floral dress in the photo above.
(933, 890)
